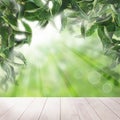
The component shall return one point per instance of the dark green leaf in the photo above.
(91, 30)
(83, 31)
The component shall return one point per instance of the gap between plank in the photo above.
(42, 109)
(110, 108)
(93, 108)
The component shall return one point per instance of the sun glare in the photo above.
(41, 37)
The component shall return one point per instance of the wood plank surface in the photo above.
(60, 108)
(51, 110)
(34, 110)
(68, 110)
(102, 110)
(85, 110)
(15, 111)
(6, 104)
(112, 105)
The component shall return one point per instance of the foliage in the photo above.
(102, 16)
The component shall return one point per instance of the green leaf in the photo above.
(43, 23)
(56, 6)
(83, 30)
(91, 30)
(104, 39)
(19, 56)
(103, 19)
(28, 30)
(10, 73)
(38, 3)
(12, 20)
(63, 21)
(30, 6)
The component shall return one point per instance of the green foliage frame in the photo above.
(102, 16)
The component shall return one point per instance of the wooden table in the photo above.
(59, 108)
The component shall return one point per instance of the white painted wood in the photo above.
(116, 99)
(86, 112)
(59, 108)
(101, 110)
(68, 110)
(15, 112)
(6, 104)
(34, 110)
(112, 105)
(51, 110)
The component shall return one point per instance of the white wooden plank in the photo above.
(112, 105)
(68, 110)
(15, 112)
(116, 99)
(101, 110)
(51, 110)
(6, 104)
(86, 112)
(34, 110)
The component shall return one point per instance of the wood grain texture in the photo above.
(59, 108)
(68, 109)
(51, 110)
(14, 112)
(34, 110)
(101, 109)
(85, 110)
(6, 104)
(112, 105)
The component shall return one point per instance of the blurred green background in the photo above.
(67, 66)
